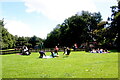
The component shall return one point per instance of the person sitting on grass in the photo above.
(98, 50)
(55, 54)
(93, 51)
(106, 51)
(25, 51)
(56, 49)
(101, 51)
(67, 51)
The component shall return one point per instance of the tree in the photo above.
(20, 41)
(53, 38)
(75, 29)
(35, 41)
(115, 25)
(7, 40)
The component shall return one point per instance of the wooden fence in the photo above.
(14, 51)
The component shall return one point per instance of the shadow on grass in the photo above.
(66, 56)
(114, 51)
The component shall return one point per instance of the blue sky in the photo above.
(39, 17)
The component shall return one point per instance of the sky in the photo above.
(40, 17)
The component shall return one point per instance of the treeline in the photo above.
(83, 27)
(7, 40)
(76, 29)
(87, 27)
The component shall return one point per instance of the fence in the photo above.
(14, 51)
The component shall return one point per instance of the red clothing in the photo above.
(56, 48)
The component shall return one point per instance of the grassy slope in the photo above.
(77, 65)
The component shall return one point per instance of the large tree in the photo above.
(75, 29)
(7, 40)
(115, 25)
(35, 41)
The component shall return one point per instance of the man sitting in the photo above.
(67, 51)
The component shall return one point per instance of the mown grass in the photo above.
(78, 65)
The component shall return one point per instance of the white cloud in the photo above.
(105, 1)
(59, 9)
(18, 28)
(11, 0)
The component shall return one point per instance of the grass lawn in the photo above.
(78, 65)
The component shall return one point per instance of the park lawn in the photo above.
(78, 65)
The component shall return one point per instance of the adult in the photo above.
(56, 49)
(52, 53)
(67, 51)
(75, 46)
(55, 54)
(25, 51)
(42, 53)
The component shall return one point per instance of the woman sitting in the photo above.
(55, 54)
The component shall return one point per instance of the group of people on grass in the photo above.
(54, 53)
(99, 51)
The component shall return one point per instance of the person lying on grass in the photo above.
(43, 55)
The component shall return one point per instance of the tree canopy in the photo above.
(75, 29)
(82, 27)
(7, 40)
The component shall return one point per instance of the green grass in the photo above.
(78, 65)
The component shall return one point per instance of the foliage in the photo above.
(53, 38)
(115, 25)
(75, 29)
(7, 40)
(30, 42)
(83, 27)
(35, 41)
